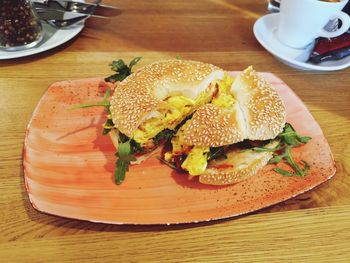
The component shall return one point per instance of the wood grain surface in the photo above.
(313, 227)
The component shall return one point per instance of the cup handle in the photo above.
(345, 19)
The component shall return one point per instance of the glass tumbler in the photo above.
(19, 26)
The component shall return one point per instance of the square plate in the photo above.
(68, 167)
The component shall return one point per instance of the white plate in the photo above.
(264, 31)
(52, 38)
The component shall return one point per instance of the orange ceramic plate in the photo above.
(68, 167)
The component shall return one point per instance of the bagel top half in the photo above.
(141, 96)
(257, 113)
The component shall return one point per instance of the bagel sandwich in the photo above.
(150, 105)
(217, 143)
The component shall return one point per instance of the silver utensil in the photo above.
(61, 23)
(78, 7)
(65, 23)
(59, 19)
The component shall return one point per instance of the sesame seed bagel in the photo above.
(214, 126)
(258, 113)
(255, 113)
(142, 94)
(261, 106)
(238, 166)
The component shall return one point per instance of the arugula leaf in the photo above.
(263, 149)
(164, 135)
(88, 105)
(291, 162)
(104, 102)
(276, 158)
(121, 168)
(125, 156)
(216, 152)
(122, 70)
(291, 137)
(134, 62)
(135, 146)
(288, 138)
(283, 172)
(288, 158)
(304, 171)
(124, 149)
(126, 146)
(106, 95)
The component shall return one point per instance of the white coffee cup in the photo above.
(301, 21)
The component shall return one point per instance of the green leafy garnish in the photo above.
(104, 102)
(288, 138)
(291, 137)
(126, 149)
(178, 57)
(92, 104)
(122, 70)
(286, 156)
(135, 146)
(164, 135)
(125, 156)
(126, 146)
(287, 173)
(263, 149)
(216, 152)
(108, 125)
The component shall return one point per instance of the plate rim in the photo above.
(32, 201)
(65, 35)
(300, 65)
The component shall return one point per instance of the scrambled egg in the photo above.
(179, 107)
(196, 161)
(178, 141)
(224, 97)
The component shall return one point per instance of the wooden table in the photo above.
(313, 227)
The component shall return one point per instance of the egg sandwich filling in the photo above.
(194, 159)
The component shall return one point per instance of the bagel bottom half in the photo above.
(238, 166)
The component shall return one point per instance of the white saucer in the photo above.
(52, 38)
(264, 31)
